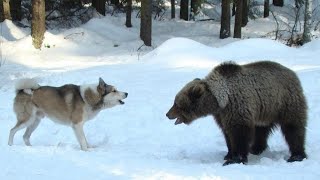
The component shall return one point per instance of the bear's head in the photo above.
(194, 100)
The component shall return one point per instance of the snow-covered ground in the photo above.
(136, 140)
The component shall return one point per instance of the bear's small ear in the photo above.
(197, 91)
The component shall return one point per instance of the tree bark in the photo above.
(277, 3)
(233, 8)
(100, 6)
(115, 2)
(173, 9)
(146, 22)
(1, 11)
(238, 19)
(15, 10)
(184, 10)
(266, 9)
(307, 21)
(38, 26)
(6, 9)
(128, 13)
(245, 9)
(225, 19)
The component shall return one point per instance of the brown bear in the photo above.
(248, 102)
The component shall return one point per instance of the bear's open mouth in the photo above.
(178, 121)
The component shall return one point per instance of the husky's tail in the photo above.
(26, 85)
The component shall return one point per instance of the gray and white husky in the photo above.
(70, 105)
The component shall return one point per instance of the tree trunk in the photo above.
(1, 12)
(15, 10)
(100, 6)
(277, 3)
(115, 2)
(307, 21)
(238, 19)
(245, 9)
(38, 26)
(266, 8)
(233, 8)
(6, 9)
(146, 22)
(184, 10)
(128, 13)
(225, 19)
(173, 9)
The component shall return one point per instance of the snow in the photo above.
(136, 140)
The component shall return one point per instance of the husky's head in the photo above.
(102, 95)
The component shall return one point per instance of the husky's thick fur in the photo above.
(247, 102)
(70, 105)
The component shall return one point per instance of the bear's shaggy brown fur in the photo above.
(247, 102)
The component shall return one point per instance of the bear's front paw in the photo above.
(236, 160)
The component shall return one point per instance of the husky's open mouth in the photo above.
(121, 102)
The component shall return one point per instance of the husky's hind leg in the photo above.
(29, 131)
(23, 120)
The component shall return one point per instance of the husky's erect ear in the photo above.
(102, 86)
(101, 82)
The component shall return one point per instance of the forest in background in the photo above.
(296, 20)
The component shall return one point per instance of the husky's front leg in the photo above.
(78, 130)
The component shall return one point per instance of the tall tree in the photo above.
(277, 3)
(225, 19)
(1, 11)
(173, 9)
(266, 9)
(128, 13)
(238, 19)
(100, 6)
(15, 10)
(245, 12)
(38, 26)
(115, 2)
(184, 10)
(307, 21)
(233, 7)
(5, 9)
(146, 22)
